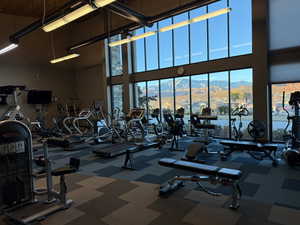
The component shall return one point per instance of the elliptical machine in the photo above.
(291, 152)
(239, 111)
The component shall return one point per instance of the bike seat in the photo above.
(233, 119)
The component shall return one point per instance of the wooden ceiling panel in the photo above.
(32, 8)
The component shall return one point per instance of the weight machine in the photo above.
(291, 152)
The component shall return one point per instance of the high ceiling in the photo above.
(32, 8)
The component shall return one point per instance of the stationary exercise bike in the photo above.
(240, 111)
(291, 152)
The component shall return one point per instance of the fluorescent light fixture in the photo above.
(147, 34)
(120, 42)
(8, 48)
(71, 56)
(74, 15)
(86, 9)
(210, 15)
(102, 3)
(54, 25)
(174, 26)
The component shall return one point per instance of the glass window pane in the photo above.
(199, 85)
(198, 37)
(167, 96)
(139, 52)
(181, 41)
(240, 22)
(219, 102)
(165, 45)
(117, 92)
(140, 95)
(279, 116)
(107, 69)
(116, 57)
(241, 94)
(153, 95)
(152, 49)
(182, 96)
(218, 32)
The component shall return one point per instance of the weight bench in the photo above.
(212, 174)
(256, 150)
(129, 160)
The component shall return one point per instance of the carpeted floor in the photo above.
(104, 193)
(110, 201)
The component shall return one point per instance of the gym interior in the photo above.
(135, 112)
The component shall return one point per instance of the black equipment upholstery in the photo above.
(256, 150)
(201, 168)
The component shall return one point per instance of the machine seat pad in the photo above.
(63, 171)
(230, 173)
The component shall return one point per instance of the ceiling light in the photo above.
(54, 25)
(8, 48)
(71, 56)
(210, 15)
(86, 9)
(120, 42)
(102, 3)
(77, 13)
(174, 26)
(134, 38)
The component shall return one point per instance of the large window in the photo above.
(199, 90)
(165, 45)
(139, 62)
(240, 26)
(198, 32)
(116, 57)
(218, 32)
(222, 92)
(241, 94)
(151, 49)
(167, 95)
(279, 116)
(141, 95)
(181, 41)
(153, 95)
(219, 37)
(182, 95)
(219, 102)
(117, 97)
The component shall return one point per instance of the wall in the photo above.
(29, 63)
(91, 85)
(58, 81)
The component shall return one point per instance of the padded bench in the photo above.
(258, 151)
(212, 174)
(129, 160)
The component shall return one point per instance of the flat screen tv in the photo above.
(39, 97)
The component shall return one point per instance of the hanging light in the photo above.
(8, 48)
(64, 58)
(74, 15)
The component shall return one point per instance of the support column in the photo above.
(126, 79)
(260, 62)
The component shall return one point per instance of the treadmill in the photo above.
(75, 140)
(113, 149)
